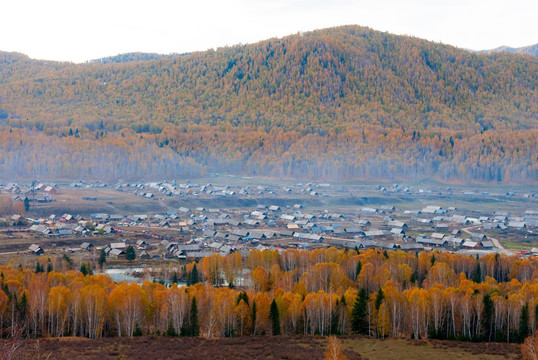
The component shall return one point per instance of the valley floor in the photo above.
(261, 347)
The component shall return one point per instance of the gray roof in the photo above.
(430, 241)
(487, 243)
(86, 245)
(353, 230)
(116, 252)
(469, 243)
(35, 248)
(412, 246)
(240, 232)
(374, 232)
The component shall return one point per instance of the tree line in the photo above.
(192, 151)
(327, 292)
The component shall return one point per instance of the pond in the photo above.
(126, 274)
(133, 274)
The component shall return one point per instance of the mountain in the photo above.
(525, 50)
(130, 57)
(340, 103)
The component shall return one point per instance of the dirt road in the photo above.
(495, 242)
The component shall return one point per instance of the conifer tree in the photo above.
(194, 326)
(102, 258)
(254, 317)
(192, 277)
(359, 268)
(274, 316)
(379, 299)
(130, 253)
(524, 323)
(488, 317)
(359, 322)
(477, 278)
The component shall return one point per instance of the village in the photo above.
(238, 218)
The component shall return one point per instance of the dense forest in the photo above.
(326, 291)
(346, 102)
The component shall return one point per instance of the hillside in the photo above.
(525, 50)
(346, 102)
(130, 57)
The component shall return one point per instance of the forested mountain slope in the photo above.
(525, 50)
(345, 102)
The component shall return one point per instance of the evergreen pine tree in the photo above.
(102, 258)
(171, 331)
(193, 319)
(192, 278)
(185, 329)
(189, 278)
(334, 319)
(254, 317)
(477, 277)
(488, 317)
(274, 316)
(137, 331)
(242, 296)
(359, 323)
(130, 253)
(379, 299)
(83, 269)
(524, 323)
(359, 268)
(22, 306)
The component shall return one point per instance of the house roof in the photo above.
(470, 244)
(396, 223)
(487, 243)
(374, 232)
(116, 252)
(35, 248)
(430, 241)
(118, 245)
(412, 246)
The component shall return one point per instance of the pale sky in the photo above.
(82, 30)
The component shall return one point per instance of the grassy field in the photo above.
(439, 350)
(517, 246)
(266, 347)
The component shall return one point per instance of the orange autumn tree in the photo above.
(334, 349)
(312, 290)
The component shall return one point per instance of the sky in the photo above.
(82, 30)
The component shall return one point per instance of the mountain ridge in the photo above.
(524, 50)
(348, 100)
